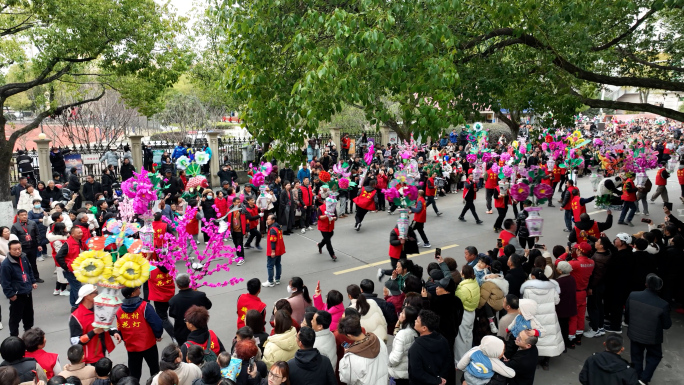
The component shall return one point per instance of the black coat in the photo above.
(310, 367)
(57, 160)
(227, 175)
(175, 186)
(567, 307)
(127, 171)
(450, 310)
(607, 368)
(524, 362)
(11, 276)
(179, 304)
(429, 359)
(30, 229)
(91, 189)
(107, 181)
(74, 183)
(647, 315)
(55, 194)
(286, 174)
(515, 277)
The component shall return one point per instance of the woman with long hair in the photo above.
(255, 320)
(299, 298)
(333, 305)
(171, 359)
(372, 318)
(282, 345)
(398, 357)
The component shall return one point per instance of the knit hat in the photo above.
(393, 287)
(624, 237)
(564, 266)
(436, 274)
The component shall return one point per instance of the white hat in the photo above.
(112, 147)
(624, 237)
(84, 291)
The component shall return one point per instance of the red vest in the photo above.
(253, 212)
(275, 234)
(577, 208)
(46, 360)
(569, 191)
(135, 331)
(160, 228)
(93, 349)
(492, 179)
(506, 237)
(465, 191)
(307, 195)
(501, 202)
(594, 232)
(193, 226)
(628, 196)
(395, 251)
(660, 181)
(245, 303)
(215, 346)
(430, 192)
(74, 250)
(680, 175)
(421, 216)
(325, 224)
(241, 217)
(161, 286)
(557, 172)
(365, 200)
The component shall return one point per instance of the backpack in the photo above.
(209, 355)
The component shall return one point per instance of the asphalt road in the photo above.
(359, 256)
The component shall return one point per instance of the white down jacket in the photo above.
(398, 357)
(374, 321)
(547, 295)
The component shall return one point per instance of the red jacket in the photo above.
(325, 224)
(306, 194)
(381, 181)
(275, 241)
(421, 216)
(245, 303)
(222, 206)
(582, 267)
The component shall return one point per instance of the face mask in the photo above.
(101, 199)
(290, 290)
(210, 197)
(36, 206)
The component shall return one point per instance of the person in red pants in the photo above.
(582, 267)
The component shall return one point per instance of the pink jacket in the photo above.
(336, 311)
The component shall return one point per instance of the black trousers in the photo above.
(305, 218)
(238, 239)
(253, 233)
(489, 195)
(526, 242)
(327, 241)
(381, 199)
(420, 228)
(502, 215)
(21, 310)
(31, 255)
(360, 214)
(162, 310)
(564, 323)
(469, 205)
(135, 360)
(393, 262)
(595, 307)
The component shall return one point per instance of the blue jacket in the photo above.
(129, 305)
(11, 276)
(443, 142)
(178, 152)
(453, 137)
(208, 151)
(303, 173)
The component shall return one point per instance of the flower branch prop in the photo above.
(198, 263)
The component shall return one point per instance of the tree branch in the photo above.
(57, 111)
(624, 34)
(637, 59)
(645, 107)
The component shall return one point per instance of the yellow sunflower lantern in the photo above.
(91, 266)
(131, 270)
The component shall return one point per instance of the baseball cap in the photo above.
(84, 291)
(584, 247)
(393, 287)
(624, 237)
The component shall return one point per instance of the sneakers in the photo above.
(479, 222)
(390, 212)
(358, 226)
(277, 282)
(621, 223)
(40, 259)
(65, 293)
(309, 228)
(38, 280)
(462, 219)
(247, 247)
(489, 212)
(427, 245)
(438, 214)
(258, 247)
(594, 333)
(566, 230)
(630, 224)
(493, 328)
(380, 275)
(551, 204)
(241, 262)
(641, 382)
(56, 292)
(303, 231)
(613, 331)
(334, 258)
(268, 284)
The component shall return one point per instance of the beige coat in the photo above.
(493, 295)
(280, 347)
(85, 373)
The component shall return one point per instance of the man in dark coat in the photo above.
(91, 188)
(430, 360)
(228, 174)
(608, 367)
(29, 236)
(175, 186)
(181, 302)
(57, 160)
(524, 361)
(308, 365)
(647, 316)
(74, 185)
(127, 170)
(286, 173)
(516, 275)
(18, 283)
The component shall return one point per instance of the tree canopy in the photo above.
(295, 63)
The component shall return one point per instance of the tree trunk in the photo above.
(511, 122)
